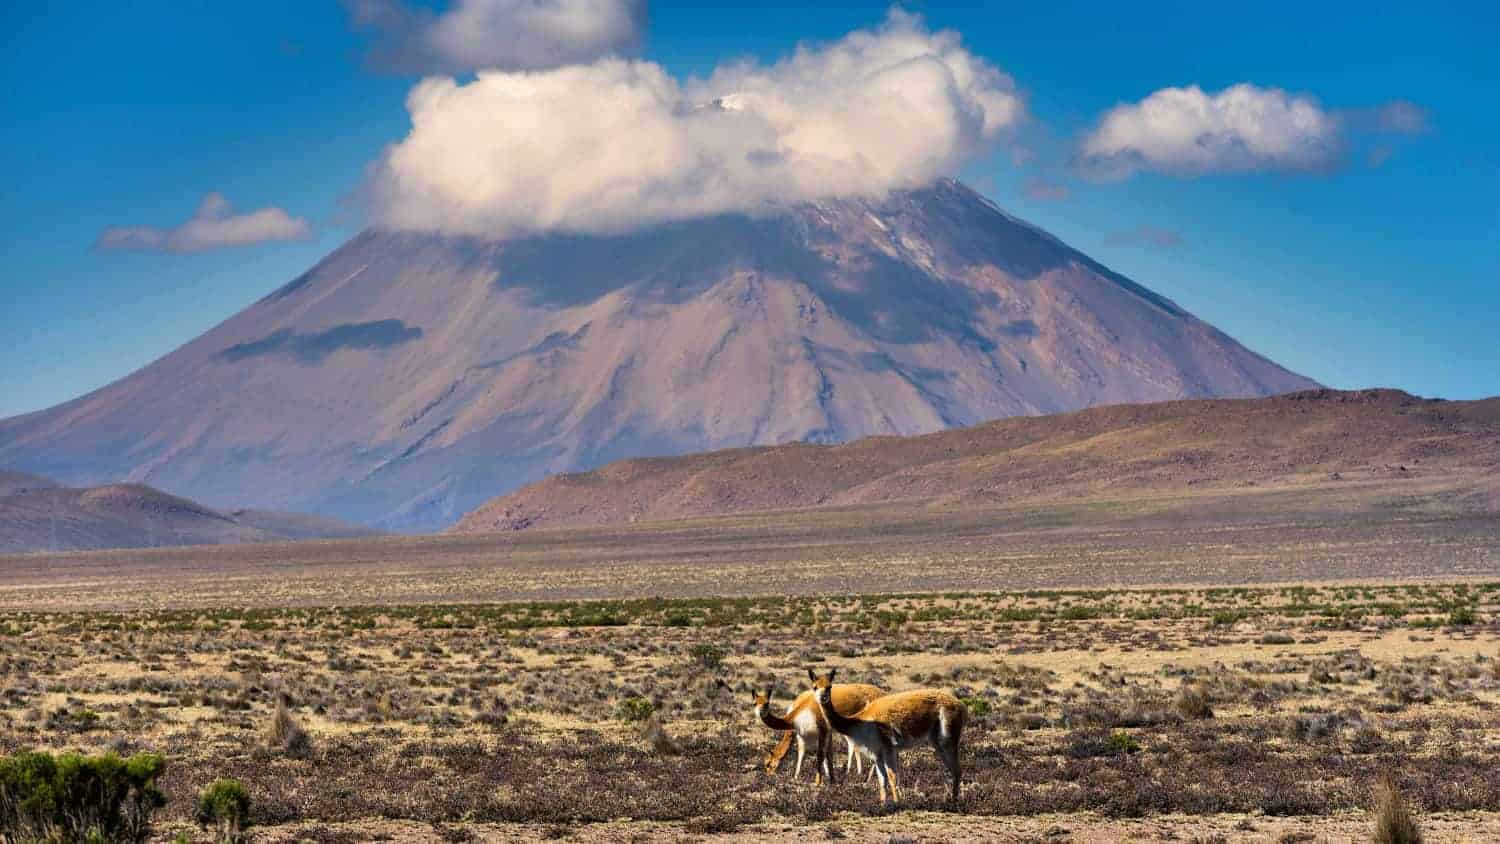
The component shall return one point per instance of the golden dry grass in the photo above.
(500, 722)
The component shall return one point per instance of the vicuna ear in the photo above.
(831, 672)
(811, 675)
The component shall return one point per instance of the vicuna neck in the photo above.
(771, 719)
(835, 719)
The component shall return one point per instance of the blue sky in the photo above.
(1377, 270)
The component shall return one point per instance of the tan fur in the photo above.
(807, 724)
(887, 724)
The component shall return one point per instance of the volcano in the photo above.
(408, 377)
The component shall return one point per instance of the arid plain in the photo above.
(1236, 663)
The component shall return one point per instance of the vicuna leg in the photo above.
(945, 741)
(825, 755)
(773, 762)
(801, 751)
(892, 767)
(881, 776)
(950, 758)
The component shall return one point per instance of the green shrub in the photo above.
(1097, 744)
(635, 710)
(1124, 742)
(72, 797)
(977, 706)
(225, 806)
(1461, 617)
(1227, 618)
(707, 655)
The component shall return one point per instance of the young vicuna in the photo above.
(804, 722)
(887, 724)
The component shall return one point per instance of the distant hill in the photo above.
(15, 483)
(1319, 436)
(407, 378)
(37, 514)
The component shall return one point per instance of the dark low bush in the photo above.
(225, 806)
(72, 797)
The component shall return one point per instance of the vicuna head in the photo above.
(762, 699)
(823, 686)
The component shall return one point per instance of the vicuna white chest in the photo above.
(805, 721)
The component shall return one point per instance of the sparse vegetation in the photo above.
(656, 736)
(1192, 702)
(464, 719)
(707, 656)
(1461, 616)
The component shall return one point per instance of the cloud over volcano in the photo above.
(619, 144)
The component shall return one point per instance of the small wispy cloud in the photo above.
(1402, 117)
(1392, 124)
(213, 226)
(1146, 235)
(497, 34)
(1044, 190)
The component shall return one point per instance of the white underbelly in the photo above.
(806, 722)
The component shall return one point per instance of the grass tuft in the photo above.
(1394, 822)
(283, 734)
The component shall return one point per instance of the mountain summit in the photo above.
(409, 377)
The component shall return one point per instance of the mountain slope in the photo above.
(15, 483)
(407, 378)
(44, 516)
(1316, 436)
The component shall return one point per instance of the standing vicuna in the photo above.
(887, 724)
(805, 723)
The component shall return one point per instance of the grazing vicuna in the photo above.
(804, 723)
(887, 724)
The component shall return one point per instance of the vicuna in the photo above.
(804, 723)
(887, 724)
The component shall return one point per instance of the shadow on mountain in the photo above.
(665, 264)
(312, 348)
(891, 299)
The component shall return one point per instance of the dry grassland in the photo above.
(1194, 714)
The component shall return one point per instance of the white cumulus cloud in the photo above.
(213, 226)
(498, 34)
(618, 144)
(1187, 131)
